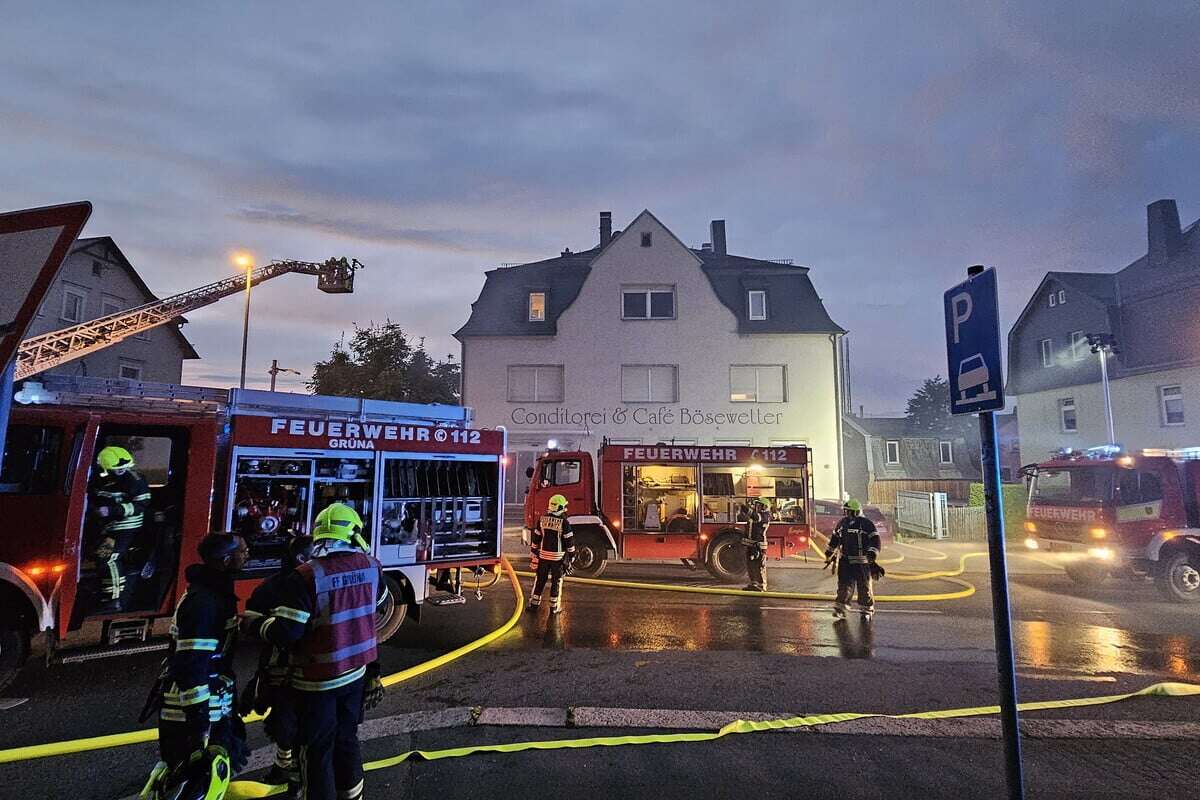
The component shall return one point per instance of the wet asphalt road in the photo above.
(641, 649)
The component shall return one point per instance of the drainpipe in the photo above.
(835, 341)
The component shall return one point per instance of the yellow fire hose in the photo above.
(239, 790)
(151, 734)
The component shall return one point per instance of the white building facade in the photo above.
(645, 340)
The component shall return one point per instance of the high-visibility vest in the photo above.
(341, 639)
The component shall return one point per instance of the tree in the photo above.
(929, 408)
(380, 363)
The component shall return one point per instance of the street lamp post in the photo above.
(276, 369)
(246, 262)
(1103, 344)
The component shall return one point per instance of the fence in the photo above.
(966, 523)
(922, 513)
(884, 492)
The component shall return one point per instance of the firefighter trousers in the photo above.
(851, 577)
(553, 572)
(756, 566)
(330, 758)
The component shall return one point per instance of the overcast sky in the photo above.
(885, 147)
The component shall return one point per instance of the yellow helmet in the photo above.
(338, 521)
(114, 458)
(558, 503)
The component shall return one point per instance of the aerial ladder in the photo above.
(40, 353)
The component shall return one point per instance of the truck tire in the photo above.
(1178, 577)
(727, 559)
(391, 615)
(14, 650)
(590, 555)
(1086, 573)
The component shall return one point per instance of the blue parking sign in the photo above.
(973, 345)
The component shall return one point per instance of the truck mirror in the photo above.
(529, 472)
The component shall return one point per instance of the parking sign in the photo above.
(973, 345)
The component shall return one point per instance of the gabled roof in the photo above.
(108, 243)
(793, 303)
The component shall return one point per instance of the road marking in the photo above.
(877, 611)
(11, 702)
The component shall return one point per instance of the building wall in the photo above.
(858, 469)
(1079, 313)
(1137, 418)
(593, 342)
(158, 353)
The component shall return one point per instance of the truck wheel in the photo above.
(1087, 574)
(590, 559)
(727, 559)
(390, 616)
(1178, 577)
(14, 650)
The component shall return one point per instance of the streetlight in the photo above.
(1103, 344)
(276, 369)
(245, 261)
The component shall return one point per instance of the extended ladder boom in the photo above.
(40, 353)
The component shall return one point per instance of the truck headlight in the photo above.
(1031, 543)
(1099, 533)
(1102, 553)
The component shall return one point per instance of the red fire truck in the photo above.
(675, 502)
(261, 464)
(1102, 511)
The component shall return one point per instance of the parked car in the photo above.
(826, 514)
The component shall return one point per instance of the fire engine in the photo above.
(674, 502)
(1102, 511)
(262, 464)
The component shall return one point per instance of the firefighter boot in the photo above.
(839, 614)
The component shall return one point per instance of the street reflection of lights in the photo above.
(1037, 644)
(1176, 648)
(1111, 648)
(614, 639)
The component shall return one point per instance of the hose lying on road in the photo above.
(151, 734)
(239, 790)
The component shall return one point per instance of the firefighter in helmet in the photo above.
(755, 542)
(199, 735)
(326, 620)
(551, 553)
(118, 499)
(855, 547)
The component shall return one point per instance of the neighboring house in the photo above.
(97, 280)
(888, 454)
(1152, 309)
(1008, 436)
(643, 339)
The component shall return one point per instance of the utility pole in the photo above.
(276, 369)
(1103, 344)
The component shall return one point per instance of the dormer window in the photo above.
(1053, 299)
(1058, 298)
(756, 299)
(537, 306)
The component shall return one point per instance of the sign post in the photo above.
(976, 387)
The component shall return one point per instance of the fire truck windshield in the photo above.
(1073, 485)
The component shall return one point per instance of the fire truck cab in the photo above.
(1103, 511)
(260, 464)
(674, 502)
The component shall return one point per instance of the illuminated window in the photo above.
(537, 306)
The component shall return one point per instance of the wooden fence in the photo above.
(966, 523)
(884, 492)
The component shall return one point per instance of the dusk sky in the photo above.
(886, 146)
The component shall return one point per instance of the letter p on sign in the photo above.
(962, 305)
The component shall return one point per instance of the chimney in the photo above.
(706, 247)
(605, 228)
(1162, 227)
(716, 230)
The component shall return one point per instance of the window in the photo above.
(97, 269)
(560, 473)
(892, 451)
(946, 452)
(1079, 345)
(129, 370)
(757, 299)
(788, 443)
(536, 383)
(650, 302)
(151, 453)
(649, 383)
(1138, 488)
(1053, 299)
(1170, 402)
(757, 384)
(660, 497)
(646, 238)
(625, 441)
(1066, 415)
(537, 306)
(731, 442)
(31, 458)
(110, 305)
(1047, 354)
(1062, 297)
(72, 305)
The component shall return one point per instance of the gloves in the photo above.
(568, 565)
(877, 571)
(105, 549)
(372, 688)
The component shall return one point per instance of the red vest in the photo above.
(345, 585)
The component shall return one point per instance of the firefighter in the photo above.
(755, 541)
(855, 547)
(270, 691)
(326, 620)
(551, 554)
(118, 498)
(197, 728)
